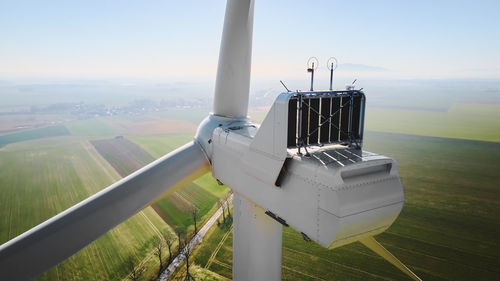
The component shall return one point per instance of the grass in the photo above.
(448, 229)
(63, 172)
(210, 184)
(461, 121)
(158, 146)
(199, 273)
(45, 132)
(176, 208)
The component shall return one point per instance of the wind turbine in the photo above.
(334, 194)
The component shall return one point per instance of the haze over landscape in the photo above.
(90, 91)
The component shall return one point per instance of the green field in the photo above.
(175, 208)
(461, 121)
(38, 180)
(45, 132)
(448, 229)
(158, 146)
(95, 127)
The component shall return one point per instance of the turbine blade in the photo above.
(232, 84)
(375, 246)
(56, 239)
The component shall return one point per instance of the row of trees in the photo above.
(167, 241)
(160, 244)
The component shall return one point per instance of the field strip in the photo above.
(99, 159)
(450, 234)
(155, 229)
(223, 264)
(444, 246)
(486, 268)
(221, 243)
(183, 198)
(335, 263)
(301, 273)
(10, 225)
(370, 254)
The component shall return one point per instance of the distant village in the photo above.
(82, 110)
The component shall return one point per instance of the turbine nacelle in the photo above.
(334, 194)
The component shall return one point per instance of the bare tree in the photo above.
(194, 214)
(187, 253)
(158, 244)
(169, 240)
(221, 205)
(226, 198)
(179, 231)
(135, 271)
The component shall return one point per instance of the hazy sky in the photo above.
(161, 39)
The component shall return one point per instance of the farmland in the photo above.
(175, 209)
(461, 120)
(137, 125)
(448, 229)
(126, 157)
(38, 180)
(160, 145)
(39, 133)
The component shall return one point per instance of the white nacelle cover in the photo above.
(335, 195)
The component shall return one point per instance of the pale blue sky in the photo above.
(162, 39)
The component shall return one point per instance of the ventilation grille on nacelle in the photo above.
(316, 118)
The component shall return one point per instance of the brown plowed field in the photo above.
(125, 156)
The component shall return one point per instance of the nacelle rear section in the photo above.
(354, 194)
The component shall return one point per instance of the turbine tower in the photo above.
(334, 194)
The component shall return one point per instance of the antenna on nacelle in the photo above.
(285, 86)
(331, 64)
(350, 87)
(312, 65)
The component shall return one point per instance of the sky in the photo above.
(180, 39)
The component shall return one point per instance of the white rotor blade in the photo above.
(56, 239)
(233, 72)
(375, 246)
